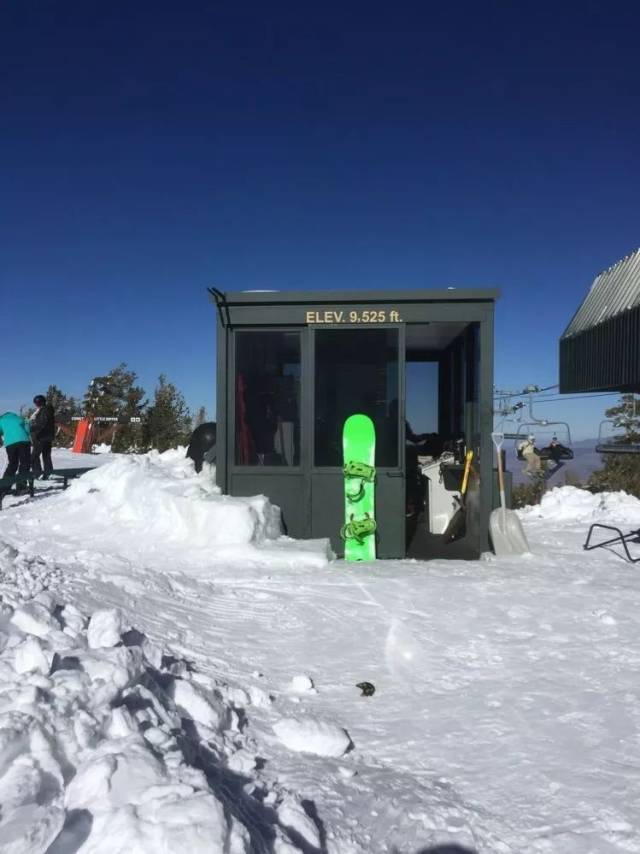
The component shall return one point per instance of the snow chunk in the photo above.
(259, 697)
(309, 735)
(46, 599)
(242, 762)
(105, 628)
(292, 816)
(73, 619)
(92, 783)
(208, 711)
(302, 684)
(29, 656)
(110, 670)
(35, 619)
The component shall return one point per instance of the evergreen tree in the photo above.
(65, 409)
(168, 421)
(622, 471)
(116, 395)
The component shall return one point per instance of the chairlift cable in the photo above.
(561, 398)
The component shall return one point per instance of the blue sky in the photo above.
(149, 150)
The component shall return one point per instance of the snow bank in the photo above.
(106, 747)
(570, 504)
(155, 508)
(162, 496)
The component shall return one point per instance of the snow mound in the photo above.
(309, 735)
(570, 504)
(161, 496)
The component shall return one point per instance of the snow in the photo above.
(166, 685)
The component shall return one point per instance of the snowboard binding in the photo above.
(358, 529)
(360, 473)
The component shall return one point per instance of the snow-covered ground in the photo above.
(177, 677)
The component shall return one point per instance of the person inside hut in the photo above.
(262, 417)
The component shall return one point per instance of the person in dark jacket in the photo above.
(14, 434)
(43, 429)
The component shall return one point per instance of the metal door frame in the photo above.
(398, 471)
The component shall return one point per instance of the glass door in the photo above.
(359, 370)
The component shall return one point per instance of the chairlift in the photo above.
(557, 452)
(614, 444)
(631, 448)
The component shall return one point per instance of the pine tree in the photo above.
(65, 409)
(116, 395)
(622, 471)
(167, 421)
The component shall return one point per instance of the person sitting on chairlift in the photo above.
(555, 450)
(557, 453)
(527, 451)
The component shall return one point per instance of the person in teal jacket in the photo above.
(14, 433)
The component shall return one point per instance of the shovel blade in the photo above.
(507, 535)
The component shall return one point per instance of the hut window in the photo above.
(267, 429)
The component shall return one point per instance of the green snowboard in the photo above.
(359, 456)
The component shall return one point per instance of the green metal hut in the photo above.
(292, 366)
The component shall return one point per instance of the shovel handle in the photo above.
(503, 500)
(498, 439)
(467, 469)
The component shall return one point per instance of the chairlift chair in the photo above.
(614, 444)
(546, 453)
(533, 423)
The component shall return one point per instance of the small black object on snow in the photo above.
(367, 689)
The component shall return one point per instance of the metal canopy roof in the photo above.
(259, 297)
(613, 292)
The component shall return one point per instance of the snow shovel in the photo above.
(505, 527)
(457, 527)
